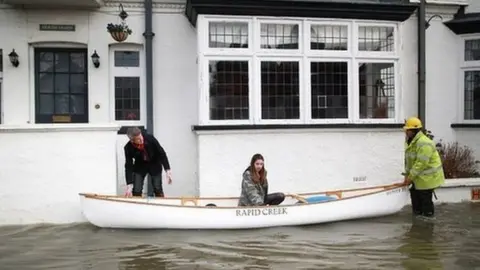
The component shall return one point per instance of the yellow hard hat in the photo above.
(412, 123)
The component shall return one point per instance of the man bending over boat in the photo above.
(423, 167)
(255, 185)
(144, 155)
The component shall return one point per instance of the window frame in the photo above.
(39, 118)
(128, 72)
(464, 67)
(1, 87)
(254, 54)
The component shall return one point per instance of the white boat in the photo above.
(108, 211)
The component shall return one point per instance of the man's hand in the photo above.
(407, 181)
(128, 191)
(169, 177)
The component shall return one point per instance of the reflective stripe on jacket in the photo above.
(423, 164)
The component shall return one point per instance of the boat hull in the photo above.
(142, 213)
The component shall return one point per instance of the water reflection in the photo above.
(419, 246)
(141, 257)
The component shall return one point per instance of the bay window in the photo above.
(297, 71)
(471, 80)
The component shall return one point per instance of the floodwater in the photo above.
(451, 241)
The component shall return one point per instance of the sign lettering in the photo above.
(57, 27)
(393, 191)
(359, 179)
(261, 212)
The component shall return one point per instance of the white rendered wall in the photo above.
(44, 169)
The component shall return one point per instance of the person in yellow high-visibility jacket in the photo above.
(423, 168)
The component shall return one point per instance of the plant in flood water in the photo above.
(458, 160)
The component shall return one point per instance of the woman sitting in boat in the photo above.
(255, 185)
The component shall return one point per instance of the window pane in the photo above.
(62, 84)
(127, 58)
(329, 37)
(77, 83)
(377, 90)
(472, 95)
(228, 35)
(280, 90)
(127, 98)
(472, 50)
(77, 104)
(45, 83)
(375, 38)
(62, 104)
(77, 62)
(329, 82)
(228, 90)
(46, 104)
(62, 62)
(46, 62)
(279, 36)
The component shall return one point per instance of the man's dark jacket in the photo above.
(135, 163)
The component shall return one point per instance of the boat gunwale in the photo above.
(113, 198)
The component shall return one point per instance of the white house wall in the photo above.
(444, 53)
(174, 74)
(473, 6)
(301, 161)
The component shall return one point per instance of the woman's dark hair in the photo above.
(261, 176)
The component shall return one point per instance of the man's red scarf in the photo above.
(141, 147)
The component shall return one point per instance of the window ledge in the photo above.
(35, 128)
(465, 125)
(355, 127)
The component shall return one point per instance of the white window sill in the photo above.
(296, 128)
(57, 128)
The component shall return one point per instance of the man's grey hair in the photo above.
(133, 132)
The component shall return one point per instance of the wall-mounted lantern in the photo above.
(95, 59)
(14, 58)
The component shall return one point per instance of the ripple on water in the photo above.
(395, 242)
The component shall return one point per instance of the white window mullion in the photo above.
(252, 91)
(305, 81)
(353, 85)
(398, 93)
(257, 90)
(353, 92)
(203, 91)
(306, 105)
(256, 74)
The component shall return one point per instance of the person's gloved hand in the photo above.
(128, 191)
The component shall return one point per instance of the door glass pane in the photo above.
(45, 83)
(127, 58)
(61, 83)
(45, 104)
(62, 104)
(62, 62)
(127, 101)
